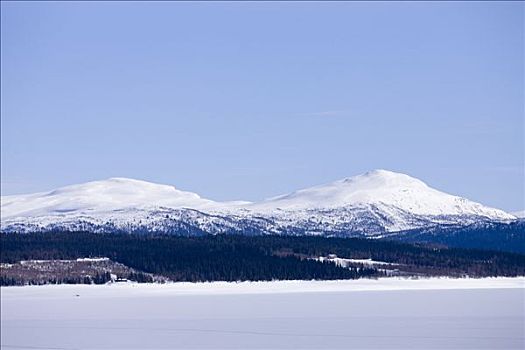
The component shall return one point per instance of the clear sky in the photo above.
(249, 100)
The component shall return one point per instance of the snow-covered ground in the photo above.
(385, 313)
(347, 262)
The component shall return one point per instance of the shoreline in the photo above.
(279, 287)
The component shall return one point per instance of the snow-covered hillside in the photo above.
(372, 204)
(382, 188)
(519, 214)
(102, 196)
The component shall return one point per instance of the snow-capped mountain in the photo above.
(381, 188)
(104, 196)
(370, 204)
(519, 214)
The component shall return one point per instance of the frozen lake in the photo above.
(363, 314)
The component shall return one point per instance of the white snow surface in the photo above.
(381, 188)
(346, 262)
(519, 214)
(360, 314)
(92, 259)
(285, 286)
(386, 200)
(101, 196)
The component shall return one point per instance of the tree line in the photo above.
(256, 258)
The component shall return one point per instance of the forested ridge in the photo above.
(237, 258)
(509, 237)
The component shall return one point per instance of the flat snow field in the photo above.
(363, 314)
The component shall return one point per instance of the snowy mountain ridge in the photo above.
(370, 204)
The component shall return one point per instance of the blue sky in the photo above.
(249, 100)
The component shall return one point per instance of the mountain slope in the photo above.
(380, 187)
(371, 204)
(104, 196)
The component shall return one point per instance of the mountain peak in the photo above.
(381, 172)
(118, 179)
(116, 187)
(379, 188)
(380, 178)
(104, 195)
(126, 181)
(393, 195)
